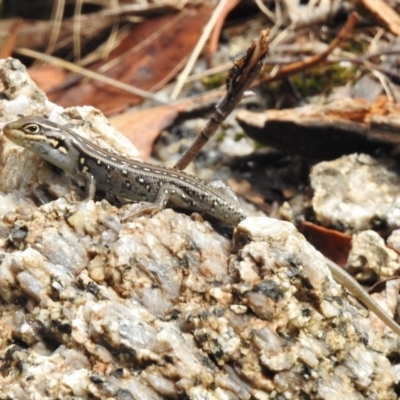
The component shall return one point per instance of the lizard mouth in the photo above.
(13, 134)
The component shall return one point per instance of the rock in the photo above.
(356, 192)
(97, 304)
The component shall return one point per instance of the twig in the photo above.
(216, 32)
(58, 10)
(239, 78)
(264, 9)
(293, 68)
(77, 31)
(382, 11)
(385, 85)
(199, 46)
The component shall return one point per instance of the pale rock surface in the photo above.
(370, 258)
(356, 192)
(394, 240)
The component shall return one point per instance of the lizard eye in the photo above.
(32, 128)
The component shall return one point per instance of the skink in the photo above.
(135, 180)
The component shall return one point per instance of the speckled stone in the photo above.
(356, 192)
(98, 305)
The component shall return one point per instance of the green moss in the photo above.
(323, 78)
(219, 137)
(214, 81)
(258, 145)
(240, 135)
(356, 46)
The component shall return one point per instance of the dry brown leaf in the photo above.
(146, 59)
(332, 244)
(143, 127)
(47, 76)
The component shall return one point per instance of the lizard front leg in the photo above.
(90, 185)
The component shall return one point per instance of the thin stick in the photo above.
(77, 31)
(240, 77)
(57, 12)
(265, 10)
(314, 60)
(199, 46)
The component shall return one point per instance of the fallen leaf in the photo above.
(47, 77)
(332, 244)
(144, 59)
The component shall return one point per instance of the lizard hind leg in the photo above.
(224, 188)
(177, 197)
